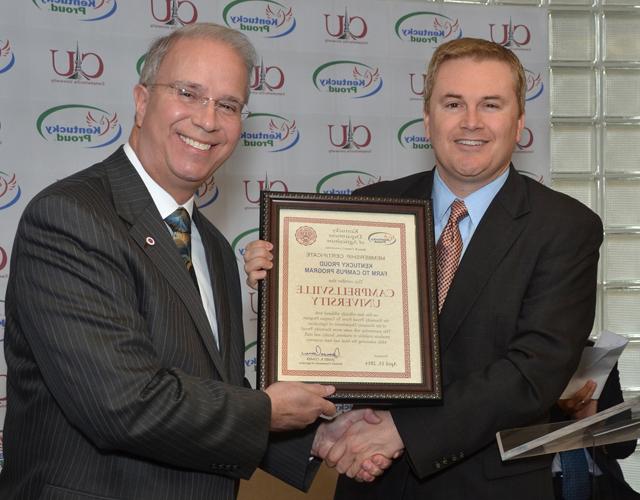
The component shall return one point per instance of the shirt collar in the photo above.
(476, 203)
(164, 202)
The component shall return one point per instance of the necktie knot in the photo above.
(458, 211)
(180, 224)
(179, 221)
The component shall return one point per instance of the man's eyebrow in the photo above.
(451, 95)
(200, 88)
(191, 85)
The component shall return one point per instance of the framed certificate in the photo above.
(351, 299)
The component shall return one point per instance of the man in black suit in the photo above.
(518, 310)
(609, 481)
(124, 339)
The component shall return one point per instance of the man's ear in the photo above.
(425, 117)
(141, 99)
(520, 127)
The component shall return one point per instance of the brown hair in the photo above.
(478, 50)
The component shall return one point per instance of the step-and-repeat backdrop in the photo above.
(336, 98)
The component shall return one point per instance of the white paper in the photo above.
(596, 363)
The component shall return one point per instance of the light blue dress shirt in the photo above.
(476, 203)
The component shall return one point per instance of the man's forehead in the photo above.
(450, 69)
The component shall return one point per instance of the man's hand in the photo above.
(366, 447)
(580, 404)
(295, 405)
(329, 433)
(257, 260)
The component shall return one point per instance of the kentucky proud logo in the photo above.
(87, 125)
(7, 58)
(9, 190)
(411, 135)
(351, 78)
(207, 193)
(269, 132)
(428, 28)
(535, 86)
(265, 17)
(345, 181)
(85, 10)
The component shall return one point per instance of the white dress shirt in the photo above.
(166, 205)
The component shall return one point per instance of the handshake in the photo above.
(360, 443)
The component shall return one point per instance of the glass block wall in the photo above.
(595, 154)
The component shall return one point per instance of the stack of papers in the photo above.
(596, 363)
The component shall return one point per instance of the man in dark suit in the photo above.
(602, 461)
(124, 339)
(518, 309)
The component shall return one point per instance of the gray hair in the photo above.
(210, 31)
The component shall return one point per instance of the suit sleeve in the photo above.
(612, 395)
(536, 317)
(80, 316)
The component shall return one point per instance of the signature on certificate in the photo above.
(319, 352)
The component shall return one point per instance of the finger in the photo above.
(364, 476)
(371, 416)
(320, 390)
(254, 277)
(327, 408)
(252, 264)
(592, 389)
(335, 453)
(582, 394)
(381, 462)
(346, 465)
(259, 244)
(370, 467)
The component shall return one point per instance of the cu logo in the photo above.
(349, 136)
(262, 185)
(266, 78)
(526, 139)
(3, 390)
(346, 27)
(510, 35)
(417, 88)
(174, 12)
(3, 259)
(76, 64)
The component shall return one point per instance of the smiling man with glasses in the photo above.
(124, 338)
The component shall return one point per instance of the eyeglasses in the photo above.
(192, 98)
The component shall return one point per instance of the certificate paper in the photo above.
(348, 300)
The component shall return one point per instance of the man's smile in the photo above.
(196, 144)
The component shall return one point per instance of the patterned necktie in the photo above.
(576, 480)
(180, 224)
(448, 250)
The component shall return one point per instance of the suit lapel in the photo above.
(134, 204)
(217, 275)
(501, 225)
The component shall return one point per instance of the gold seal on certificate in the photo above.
(351, 299)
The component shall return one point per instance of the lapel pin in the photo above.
(150, 241)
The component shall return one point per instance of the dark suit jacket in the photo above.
(511, 331)
(116, 389)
